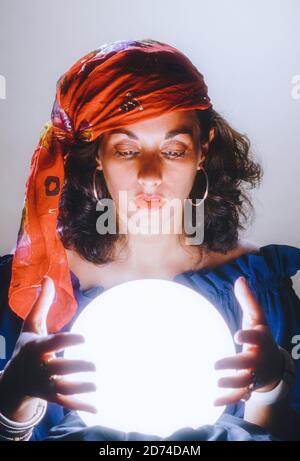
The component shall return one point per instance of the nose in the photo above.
(150, 175)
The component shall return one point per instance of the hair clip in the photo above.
(130, 103)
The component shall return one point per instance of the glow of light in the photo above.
(154, 343)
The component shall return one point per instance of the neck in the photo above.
(144, 252)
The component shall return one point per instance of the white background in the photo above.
(248, 52)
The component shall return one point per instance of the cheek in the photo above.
(182, 179)
(118, 179)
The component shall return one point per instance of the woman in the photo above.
(135, 118)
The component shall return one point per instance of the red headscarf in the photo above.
(118, 84)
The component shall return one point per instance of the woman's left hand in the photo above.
(260, 363)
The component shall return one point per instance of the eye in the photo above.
(131, 153)
(174, 154)
(126, 154)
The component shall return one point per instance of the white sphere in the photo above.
(154, 343)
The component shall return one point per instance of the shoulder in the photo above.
(213, 260)
(248, 246)
(260, 264)
(265, 266)
(270, 263)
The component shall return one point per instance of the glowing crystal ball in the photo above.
(154, 343)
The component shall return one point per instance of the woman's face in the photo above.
(157, 157)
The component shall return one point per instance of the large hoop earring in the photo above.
(94, 187)
(206, 189)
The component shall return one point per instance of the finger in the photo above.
(236, 362)
(58, 342)
(67, 388)
(253, 337)
(61, 366)
(73, 404)
(235, 397)
(36, 320)
(236, 382)
(252, 312)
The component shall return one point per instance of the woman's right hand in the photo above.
(34, 372)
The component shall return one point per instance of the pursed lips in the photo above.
(149, 201)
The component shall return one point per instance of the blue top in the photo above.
(268, 272)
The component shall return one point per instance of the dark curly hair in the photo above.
(231, 171)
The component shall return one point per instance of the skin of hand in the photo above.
(259, 353)
(24, 380)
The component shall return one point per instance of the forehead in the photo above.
(183, 122)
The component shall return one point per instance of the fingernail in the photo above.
(237, 338)
(241, 280)
(239, 285)
(79, 339)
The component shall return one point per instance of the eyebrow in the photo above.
(169, 134)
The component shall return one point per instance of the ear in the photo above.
(201, 160)
(205, 145)
(99, 162)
